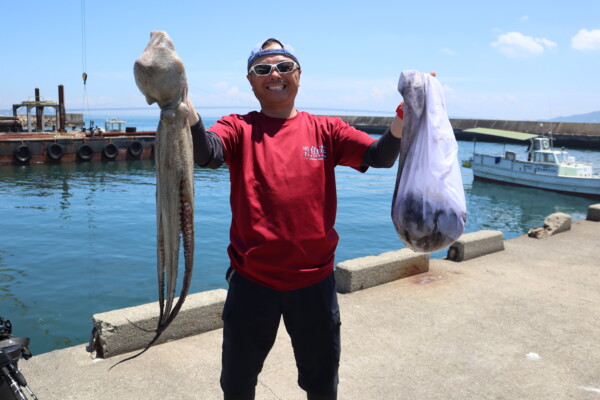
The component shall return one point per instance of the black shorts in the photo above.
(251, 318)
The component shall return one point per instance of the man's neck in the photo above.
(286, 112)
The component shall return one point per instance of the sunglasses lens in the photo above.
(285, 67)
(262, 69)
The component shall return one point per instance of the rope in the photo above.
(85, 106)
(83, 43)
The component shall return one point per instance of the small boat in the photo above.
(544, 168)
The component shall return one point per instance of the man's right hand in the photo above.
(396, 127)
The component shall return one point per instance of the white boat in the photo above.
(544, 168)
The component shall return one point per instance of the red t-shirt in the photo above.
(283, 193)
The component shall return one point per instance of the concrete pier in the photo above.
(521, 323)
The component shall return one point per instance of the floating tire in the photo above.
(22, 153)
(85, 152)
(135, 148)
(55, 151)
(110, 151)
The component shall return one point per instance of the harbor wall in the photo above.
(379, 124)
(539, 127)
(569, 134)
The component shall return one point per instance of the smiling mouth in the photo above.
(277, 86)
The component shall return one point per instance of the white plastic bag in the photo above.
(428, 209)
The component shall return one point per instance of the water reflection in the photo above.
(514, 210)
(65, 195)
(10, 279)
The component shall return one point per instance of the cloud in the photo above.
(517, 45)
(448, 52)
(448, 89)
(225, 94)
(221, 85)
(586, 40)
(524, 18)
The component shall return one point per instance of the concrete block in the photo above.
(365, 272)
(553, 224)
(128, 329)
(476, 244)
(593, 213)
(558, 222)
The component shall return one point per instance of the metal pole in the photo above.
(39, 112)
(61, 106)
(29, 118)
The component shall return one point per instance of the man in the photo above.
(283, 202)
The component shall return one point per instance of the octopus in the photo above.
(160, 76)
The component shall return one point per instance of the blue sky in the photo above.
(520, 60)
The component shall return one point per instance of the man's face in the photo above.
(275, 89)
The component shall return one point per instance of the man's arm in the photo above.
(208, 148)
(383, 152)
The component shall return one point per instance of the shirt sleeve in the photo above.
(383, 152)
(350, 145)
(228, 131)
(208, 147)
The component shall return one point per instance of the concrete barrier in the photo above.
(476, 244)
(128, 329)
(553, 224)
(593, 213)
(365, 272)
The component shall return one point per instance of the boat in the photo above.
(545, 168)
(64, 146)
(38, 145)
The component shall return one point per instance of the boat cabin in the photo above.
(540, 151)
(114, 125)
(541, 143)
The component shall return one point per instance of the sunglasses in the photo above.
(283, 67)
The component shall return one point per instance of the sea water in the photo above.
(79, 239)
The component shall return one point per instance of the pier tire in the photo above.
(55, 151)
(135, 148)
(85, 152)
(110, 151)
(22, 153)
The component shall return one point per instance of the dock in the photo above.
(68, 147)
(521, 322)
(24, 145)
